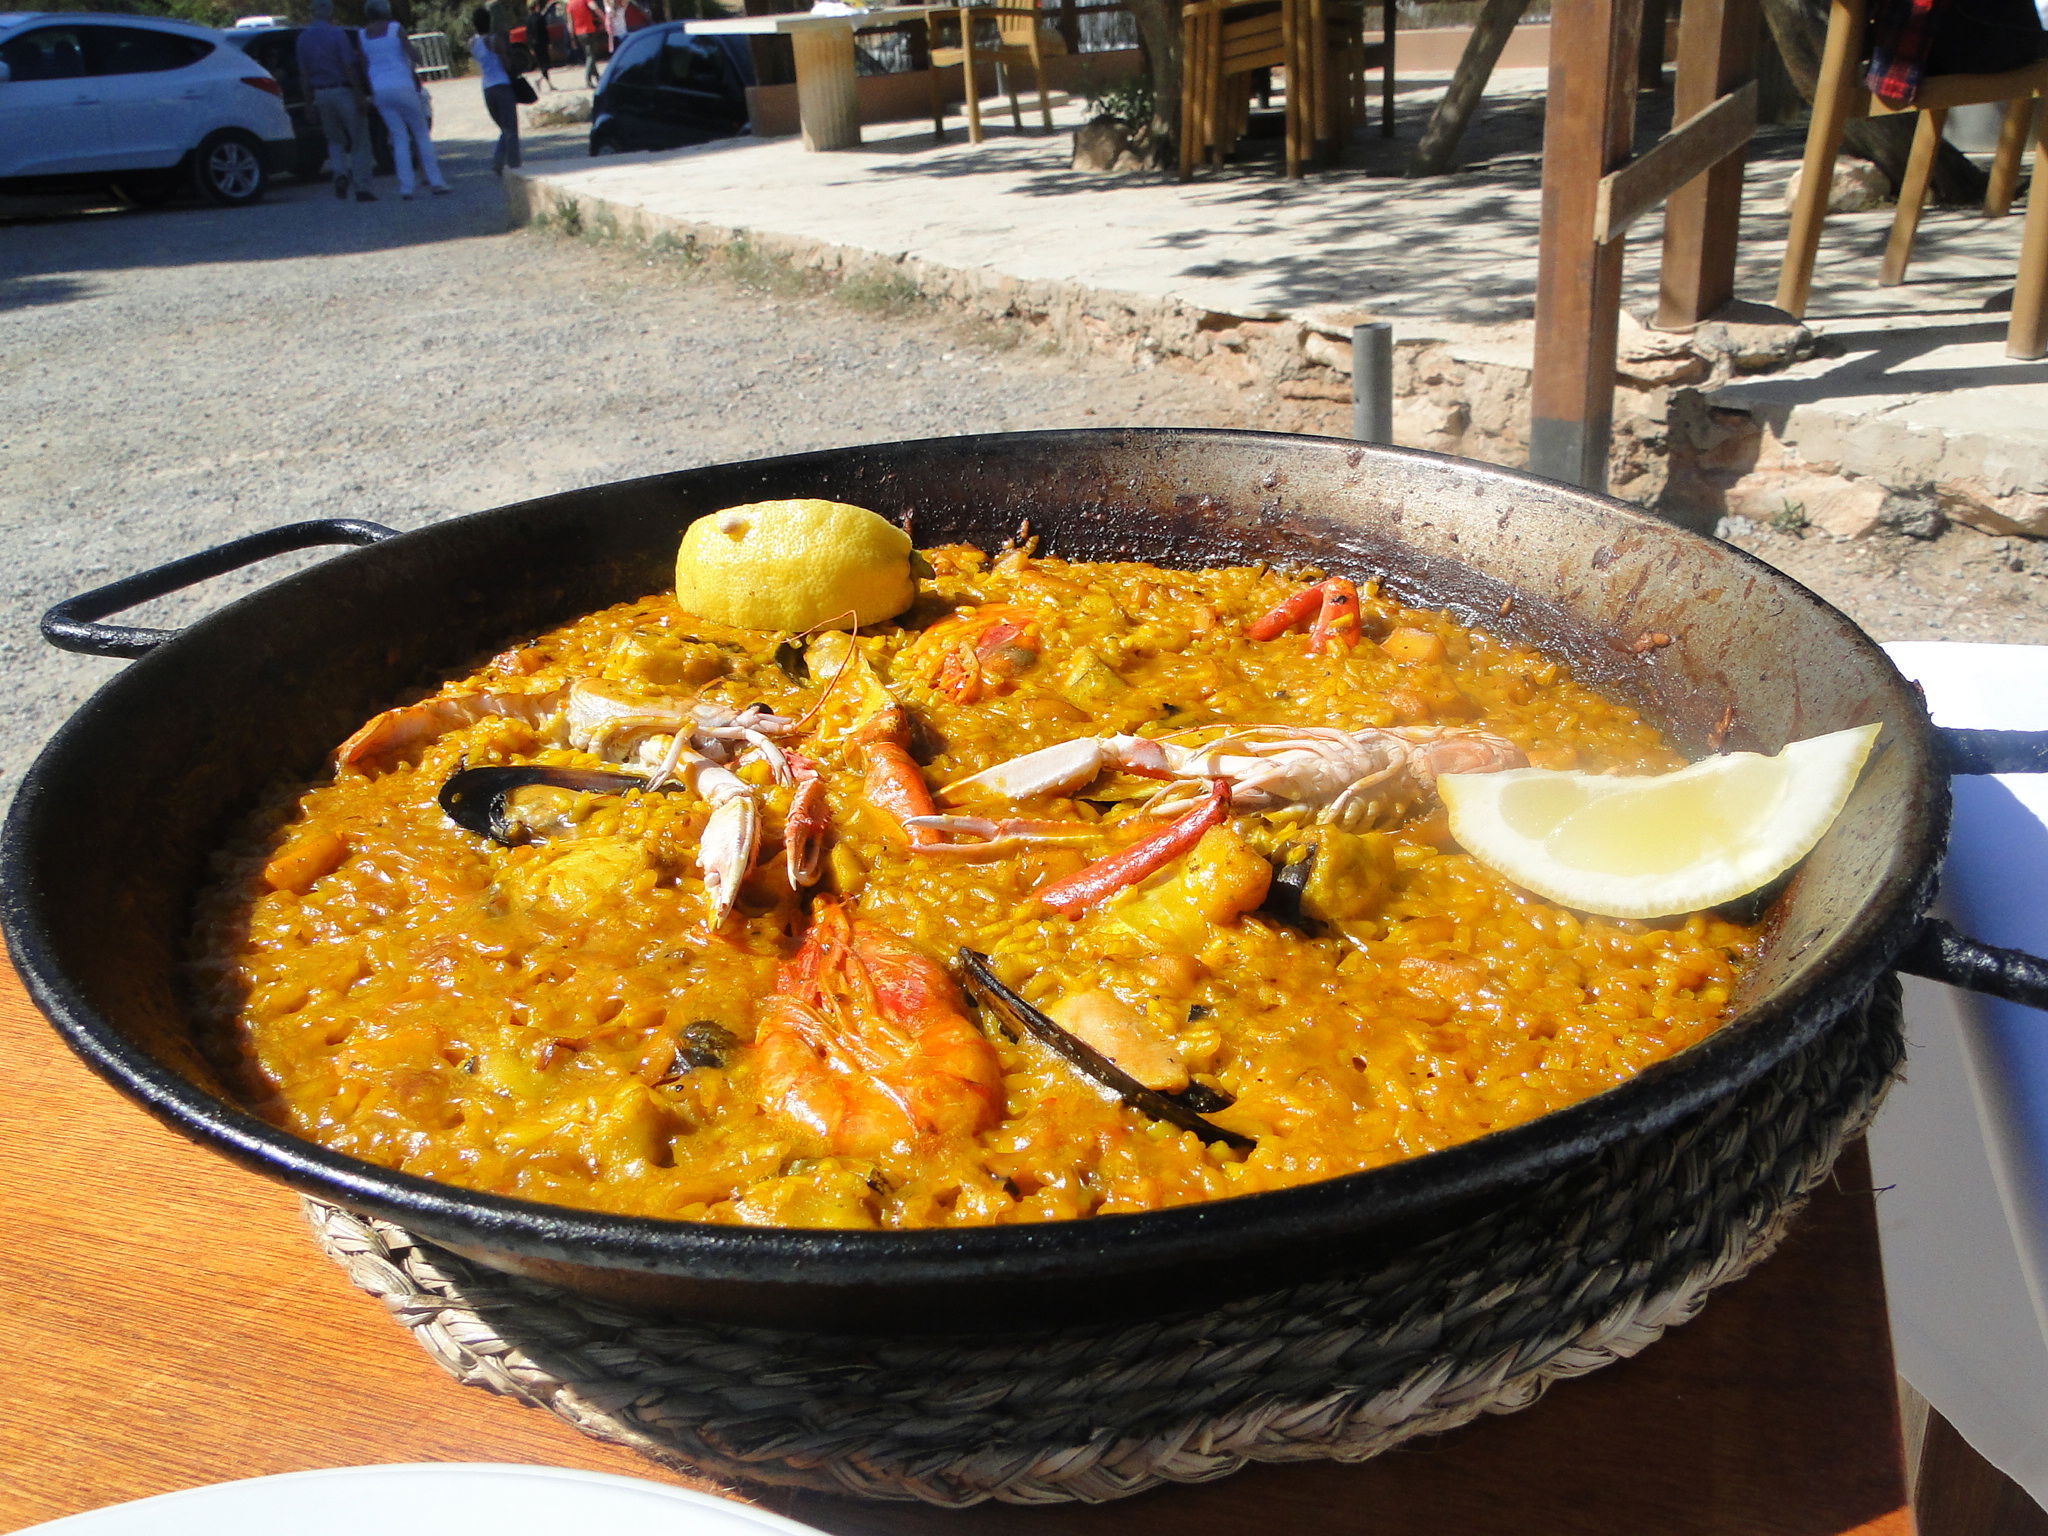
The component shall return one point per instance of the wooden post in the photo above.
(1717, 44)
(1482, 51)
(1588, 126)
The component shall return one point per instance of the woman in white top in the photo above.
(488, 48)
(395, 88)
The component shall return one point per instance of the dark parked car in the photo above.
(664, 89)
(277, 50)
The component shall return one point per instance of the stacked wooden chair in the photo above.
(1842, 95)
(1013, 35)
(1224, 46)
(1321, 44)
(1341, 54)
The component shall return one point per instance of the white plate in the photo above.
(427, 1499)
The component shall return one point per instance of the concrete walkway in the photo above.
(1910, 394)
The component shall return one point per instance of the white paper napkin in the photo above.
(1960, 1149)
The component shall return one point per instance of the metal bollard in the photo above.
(1372, 382)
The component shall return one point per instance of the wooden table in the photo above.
(827, 104)
(170, 1324)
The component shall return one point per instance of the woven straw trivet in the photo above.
(1584, 1271)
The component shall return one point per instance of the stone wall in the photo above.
(1675, 449)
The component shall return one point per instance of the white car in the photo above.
(136, 102)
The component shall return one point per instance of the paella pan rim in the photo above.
(1498, 1162)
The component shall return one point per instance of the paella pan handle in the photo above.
(1940, 953)
(1970, 751)
(72, 625)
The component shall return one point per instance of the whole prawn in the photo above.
(867, 1042)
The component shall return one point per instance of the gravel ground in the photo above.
(173, 378)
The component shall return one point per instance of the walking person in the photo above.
(488, 48)
(537, 42)
(331, 71)
(395, 88)
(586, 27)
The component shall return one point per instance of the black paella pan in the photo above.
(110, 834)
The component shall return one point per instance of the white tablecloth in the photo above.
(1960, 1150)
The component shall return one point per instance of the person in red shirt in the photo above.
(586, 28)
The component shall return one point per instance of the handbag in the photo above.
(523, 91)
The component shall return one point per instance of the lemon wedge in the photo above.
(1648, 845)
(794, 565)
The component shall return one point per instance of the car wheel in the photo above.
(227, 168)
(603, 142)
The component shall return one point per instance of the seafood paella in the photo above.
(1069, 889)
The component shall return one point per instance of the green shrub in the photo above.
(880, 292)
(1791, 518)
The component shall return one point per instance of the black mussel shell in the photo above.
(1203, 1098)
(474, 798)
(989, 990)
(790, 657)
(1290, 880)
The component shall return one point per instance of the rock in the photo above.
(1857, 185)
(1975, 505)
(1313, 389)
(1792, 497)
(1332, 354)
(1656, 359)
(1104, 148)
(1662, 372)
(1916, 514)
(1846, 508)
(1424, 421)
(1753, 337)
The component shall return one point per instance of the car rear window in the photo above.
(690, 63)
(141, 51)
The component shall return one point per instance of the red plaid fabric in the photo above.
(1901, 33)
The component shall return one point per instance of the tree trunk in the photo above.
(1801, 27)
(1159, 36)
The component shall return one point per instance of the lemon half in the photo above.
(794, 565)
(1654, 844)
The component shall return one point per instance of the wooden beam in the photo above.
(1695, 145)
(1717, 56)
(1588, 125)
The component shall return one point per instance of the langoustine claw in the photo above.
(1348, 778)
(1106, 876)
(389, 736)
(804, 828)
(1337, 625)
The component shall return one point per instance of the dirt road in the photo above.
(176, 377)
(172, 378)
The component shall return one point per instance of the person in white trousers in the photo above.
(395, 88)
